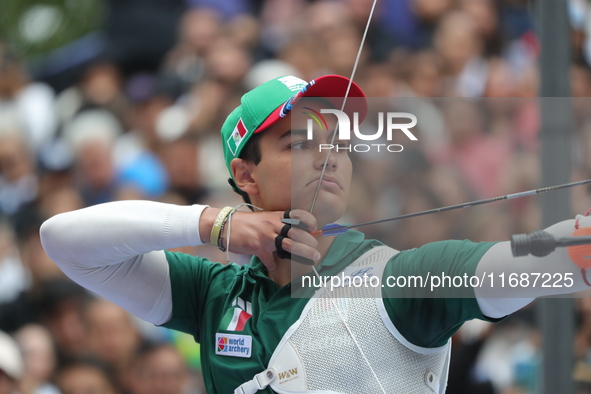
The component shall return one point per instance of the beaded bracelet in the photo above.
(221, 236)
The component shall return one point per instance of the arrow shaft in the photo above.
(458, 206)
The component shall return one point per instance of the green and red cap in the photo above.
(268, 103)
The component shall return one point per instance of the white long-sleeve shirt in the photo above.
(116, 251)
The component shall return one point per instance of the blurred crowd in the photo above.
(116, 128)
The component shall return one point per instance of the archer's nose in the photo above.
(325, 157)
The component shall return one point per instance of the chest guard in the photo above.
(318, 354)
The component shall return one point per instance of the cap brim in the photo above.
(331, 87)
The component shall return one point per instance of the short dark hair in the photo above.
(252, 153)
(252, 149)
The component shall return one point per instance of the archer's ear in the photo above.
(241, 170)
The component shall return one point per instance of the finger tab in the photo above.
(296, 223)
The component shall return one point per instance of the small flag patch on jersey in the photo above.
(235, 318)
(237, 136)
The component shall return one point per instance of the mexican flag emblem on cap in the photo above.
(237, 136)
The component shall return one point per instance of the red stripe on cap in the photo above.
(333, 88)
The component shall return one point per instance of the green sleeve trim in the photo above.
(430, 321)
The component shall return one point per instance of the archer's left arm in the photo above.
(516, 281)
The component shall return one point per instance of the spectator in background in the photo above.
(84, 376)
(26, 106)
(25, 306)
(484, 14)
(244, 30)
(501, 81)
(423, 75)
(148, 97)
(11, 364)
(185, 63)
(458, 44)
(467, 345)
(581, 88)
(112, 337)
(411, 23)
(582, 377)
(101, 86)
(59, 200)
(56, 172)
(27, 222)
(301, 54)
(278, 24)
(92, 134)
(228, 10)
(61, 306)
(134, 152)
(110, 166)
(181, 160)
(13, 275)
(378, 41)
(18, 180)
(342, 51)
(39, 358)
(159, 369)
(478, 156)
(227, 63)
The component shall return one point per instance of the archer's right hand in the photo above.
(254, 233)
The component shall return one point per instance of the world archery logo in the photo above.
(318, 118)
(233, 345)
(222, 343)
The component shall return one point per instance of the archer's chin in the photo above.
(328, 211)
(325, 199)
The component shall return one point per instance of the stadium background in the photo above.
(108, 100)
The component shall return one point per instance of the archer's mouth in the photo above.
(327, 181)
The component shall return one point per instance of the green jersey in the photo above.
(239, 315)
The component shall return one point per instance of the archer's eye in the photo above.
(299, 145)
